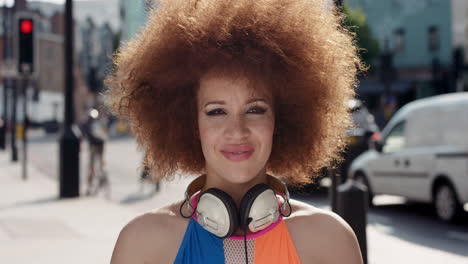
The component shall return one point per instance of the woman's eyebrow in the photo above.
(253, 100)
(256, 100)
(215, 102)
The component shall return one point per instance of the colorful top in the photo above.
(269, 246)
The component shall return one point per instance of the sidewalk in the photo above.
(37, 227)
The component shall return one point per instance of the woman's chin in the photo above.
(239, 177)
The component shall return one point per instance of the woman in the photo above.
(243, 93)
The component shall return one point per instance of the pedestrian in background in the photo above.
(249, 95)
(95, 131)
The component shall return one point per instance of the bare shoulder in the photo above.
(152, 237)
(322, 236)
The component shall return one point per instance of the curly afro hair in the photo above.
(300, 48)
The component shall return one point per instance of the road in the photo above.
(395, 228)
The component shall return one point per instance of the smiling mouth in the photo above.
(237, 153)
(237, 156)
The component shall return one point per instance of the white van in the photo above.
(422, 155)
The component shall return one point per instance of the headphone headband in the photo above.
(276, 184)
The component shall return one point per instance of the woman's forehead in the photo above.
(227, 85)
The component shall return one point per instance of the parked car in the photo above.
(423, 155)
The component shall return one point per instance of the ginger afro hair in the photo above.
(298, 47)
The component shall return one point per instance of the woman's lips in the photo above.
(237, 153)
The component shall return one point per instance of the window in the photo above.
(433, 38)
(399, 36)
(395, 140)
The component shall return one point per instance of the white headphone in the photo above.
(217, 213)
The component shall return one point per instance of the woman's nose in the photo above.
(237, 128)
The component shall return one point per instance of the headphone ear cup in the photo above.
(206, 210)
(247, 202)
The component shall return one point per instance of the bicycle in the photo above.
(97, 178)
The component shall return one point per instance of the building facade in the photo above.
(133, 15)
(422, 36)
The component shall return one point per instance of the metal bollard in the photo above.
(352, 206)
(331, 174)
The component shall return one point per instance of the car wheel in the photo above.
(446, 203)
(361, 178)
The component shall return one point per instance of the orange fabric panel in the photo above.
(276, 247)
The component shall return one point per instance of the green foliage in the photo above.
(356, 21)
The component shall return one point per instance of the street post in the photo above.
(69, 141)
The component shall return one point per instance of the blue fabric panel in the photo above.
(200, 246)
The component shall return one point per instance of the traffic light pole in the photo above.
(25, 85)
(24, 38)
(69, 141)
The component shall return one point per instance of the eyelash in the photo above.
(258, 110)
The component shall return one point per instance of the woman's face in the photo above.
(236, 125)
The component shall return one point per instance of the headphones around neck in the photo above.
(217, 212)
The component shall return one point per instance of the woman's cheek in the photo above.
(208, 135)
(265, 125)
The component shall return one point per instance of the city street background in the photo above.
(36, 227)
(415, 49)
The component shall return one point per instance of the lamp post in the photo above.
(69, 142)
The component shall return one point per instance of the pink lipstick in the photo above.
(237, 153)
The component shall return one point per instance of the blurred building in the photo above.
(133, 15)
(50, 60)
(95, 53)
(7, 10)
(20, 5)
(89, 46)
(422, 37)
(49, 43)
(106, 37)
(5, 39)
(92, 40)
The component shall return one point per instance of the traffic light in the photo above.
(25, 45)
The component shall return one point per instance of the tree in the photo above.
(356, 21)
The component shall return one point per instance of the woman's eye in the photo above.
(257, 110)
(215, 112)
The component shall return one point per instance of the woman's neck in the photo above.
(235, 190)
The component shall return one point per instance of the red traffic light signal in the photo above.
(26, 26)
(25, 45)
